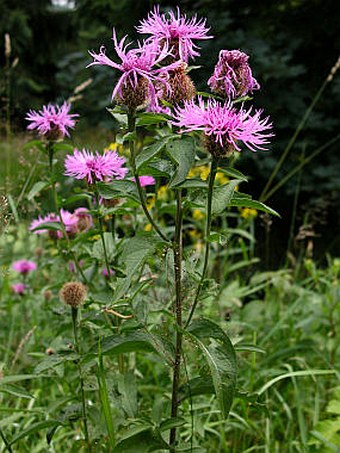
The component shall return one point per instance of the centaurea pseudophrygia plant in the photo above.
(154, 88)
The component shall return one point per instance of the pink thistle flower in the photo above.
(70, 221)
(232, 75)
(52, 121)
(178, 32)
(18, 288)
(24, 266)
(106, 274)
(135, 87)
(40, 221)
(146, 180)
(223, 126)
(95, 167)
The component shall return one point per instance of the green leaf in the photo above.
(141, 440)
(174, 422)
(54, 226)
(119, 188)
(63, 147)
(148, 118)
(182, 152)
(232, 173)
(202, 385)
(193, 183)
(54, 360)
(128, 391)
(150, 152)
(221, 358)
(13, 207)
(223, 195)
(75, 198)
(98, 249)
(18, 378)
(15, 390)
(243, 201)
(36, 427)
(35, 144)
(249, 348)
(38, 187)
(127, 342)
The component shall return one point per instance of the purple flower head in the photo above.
(139, 69)
(178, 32)
(232, 75)
(70, 221)
(18, 288)
(24, 266)
(146, 180)
(106, 274)
(224, 126)
(52, 121)
(40, 221)
(95, 167)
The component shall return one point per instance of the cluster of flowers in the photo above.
(23, 267)
(76, 222)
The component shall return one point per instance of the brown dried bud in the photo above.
(73, 294)
(8, 47)
(50, 351)
(48, 295)
(215, 149)
(38, 252)
(134, 97)
(182, 87)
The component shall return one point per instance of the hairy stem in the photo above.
(76, 332)
(178, 251)
(212, 174)
(132, 128)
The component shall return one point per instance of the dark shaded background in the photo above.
(293, 45)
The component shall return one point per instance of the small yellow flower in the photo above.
(197, 214)
(150, 202)
(162, 193)
(249, 213)
(202, 171)
(194, 234)
(221, 178)
(148, 227)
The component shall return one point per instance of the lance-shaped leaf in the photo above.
(182, 153)
(220, 356)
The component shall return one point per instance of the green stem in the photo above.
(76, 332)
(213, 171)
(132, 128)
(101, 232)
(178, 252)
(7, 444)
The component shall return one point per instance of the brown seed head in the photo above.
(73, 294)
(182, 87)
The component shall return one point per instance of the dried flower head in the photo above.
(140, 71)
(232, 75)
(224, 127)
(52, 121)
(85, 221)
(24, 266)
(95, 167)
(73, 294)
(178, 32)
(182, 87)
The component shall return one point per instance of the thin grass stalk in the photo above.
(298, 167)
(7, 444)
(76, 332)
(212, 174)
(291, 142)
(132, 128)
(178, 253)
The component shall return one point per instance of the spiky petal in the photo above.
(178, 31)
(225, 126)
(95, 167)
(52, 121)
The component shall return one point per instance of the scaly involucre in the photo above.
(137, 65)
(95, 167)
(232, 75)
(52, 120)
(177, 31)
(225, 125)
